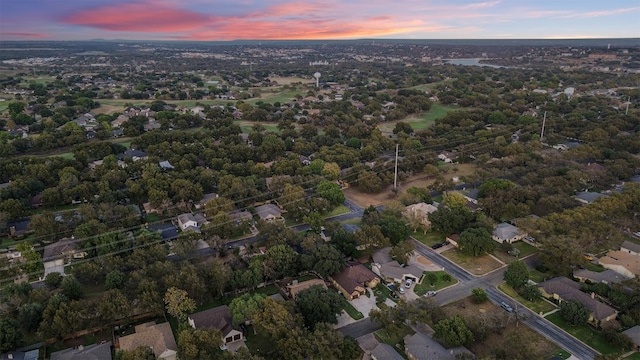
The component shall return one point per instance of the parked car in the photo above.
(401, 290)
(431, 293)
(506, 306)
(408, 283)
(437, 246)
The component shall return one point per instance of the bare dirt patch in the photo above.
(506, 332)
(418, 180)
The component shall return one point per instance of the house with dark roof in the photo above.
(587, 197)
(217, 318)
(634, 334)
(19, 227)
(167, 231)
(631, 248)
(353, 280)
(507, 232)
(391, 271)
(21, 355)
(91, 352)
(564, 289)
(135, 155)
(205, 199)
(158, 337)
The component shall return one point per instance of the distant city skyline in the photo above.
(215, 20)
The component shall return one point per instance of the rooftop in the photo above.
(567, 289)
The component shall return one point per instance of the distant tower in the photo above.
(608, 46)
(317, 76)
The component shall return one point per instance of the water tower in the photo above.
(317, 76)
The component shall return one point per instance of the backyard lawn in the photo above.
(429, 239)
(394, 338)
(540, 307)
(523, 248)
(421, 289)
(259, 343)
(586, 334)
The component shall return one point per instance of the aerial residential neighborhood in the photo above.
(352, 199)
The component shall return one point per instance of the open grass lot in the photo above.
(429, 239)
(337, 211)
(528, 340)
(593, 267)
(524, 248)
(280, 96)
(247, 126)
(421, 121)
(395, 338)
(541, 306)
(441, 283)
(538, 276)
(4, 105)
(634, 356)
(67, 155)
(430, 86)
(585, 333)
(476, 265)
(288, 80)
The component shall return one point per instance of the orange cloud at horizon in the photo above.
(25, 35)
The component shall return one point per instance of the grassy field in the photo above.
(4, 105)
(247, 126)
(540, 306)
(477, 265)
(634, 356)
(67, 155)
(421, 289)
(338, 211)
(524, 248)
(586, 334)
(425, 87)
(429, 239)
(593, 267)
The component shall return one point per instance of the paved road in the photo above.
(359, 328)
(489, 282)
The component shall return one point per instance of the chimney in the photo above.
(593, 295)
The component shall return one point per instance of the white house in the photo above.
(507, 232)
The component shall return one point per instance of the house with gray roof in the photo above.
(420, 346)
(269, 213)
(631, 248)
(587, 197)
(217, 318)
(21, 355)
(564, 289)
(507, 232)
(634, 334)
(391, 271)
(91, 352)
(606, 277)
(385, 352)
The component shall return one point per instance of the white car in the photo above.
(408, 283)
(431, 293)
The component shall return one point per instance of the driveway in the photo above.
(363, 304)
(423, 263)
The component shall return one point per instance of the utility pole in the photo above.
(544, 120)
(395, 177)
(628, 102)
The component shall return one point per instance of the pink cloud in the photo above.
(141, 16)
(25, 35)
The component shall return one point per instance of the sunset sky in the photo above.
(316, 19)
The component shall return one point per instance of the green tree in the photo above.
(479, 295)
(10, 336)
(432, 278)
(476, 241)
(574, 312)
(178, 303)
(195, 344)
(315, 222)
(53, 280)
(331, 171)
(317, 304)
(71, 288)
(114, 305)
(324, 259)
(531, 292)
(453, 332)
(516, 274)
(243, 308)
(115, 280)
(30, 316)
(371, 239)
(139, 353)
(33, 265)
(369, 182)
(402, 251)
(330, 191)
(281, 261)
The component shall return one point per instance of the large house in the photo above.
(507, 232)
(634, 334)
(353, 280)
(622, 262)
(391, 271)
(421, 346)
(190, 221)
(384, 351)
(269, 213)
(59, 254)
(564, 289)
(587, 197)
(217, 318)
(421, 211)
(606, 277)
(91, 352)
(158, 337)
